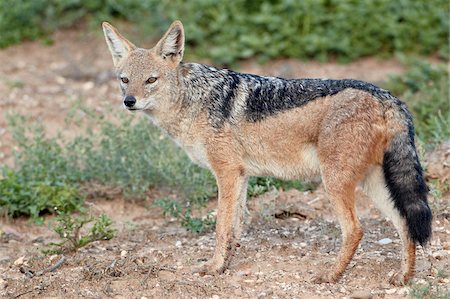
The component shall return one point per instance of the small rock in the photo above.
(3, 284)
(88, 85)
(178, 244)
(361, 294)
(166, 275)
(123, 253)
(20, 261)
(402, 291)
(385, 241)
(439, 254)
(391, 291)
(245, 272)
(446, 245)
(38, 240)
(262, 295)
(215, 297)
(143, 297)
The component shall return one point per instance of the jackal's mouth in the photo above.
(132, 108)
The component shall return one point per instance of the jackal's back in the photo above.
(230, 95)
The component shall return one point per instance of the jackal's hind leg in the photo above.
(350, 140)
(343, 204)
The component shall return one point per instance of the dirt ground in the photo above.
(289, 236)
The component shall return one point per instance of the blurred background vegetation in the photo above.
(226, 31)
(49, 173)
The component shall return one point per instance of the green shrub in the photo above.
(230, 30)
(425, 88)
(31, 19)
(21, 196)
(42, 181)
(226, 31)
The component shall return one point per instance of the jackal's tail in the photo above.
(405, 181)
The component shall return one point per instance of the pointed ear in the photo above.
(118, 45)
(171, 45)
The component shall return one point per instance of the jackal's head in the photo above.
(148, 77)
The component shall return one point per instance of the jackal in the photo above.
(240, 125)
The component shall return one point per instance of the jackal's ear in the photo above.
(118, 45)
(171, 45)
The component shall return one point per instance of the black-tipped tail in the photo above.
(406, 184)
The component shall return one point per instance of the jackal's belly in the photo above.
(285, 163)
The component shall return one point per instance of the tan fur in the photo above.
(298, 143)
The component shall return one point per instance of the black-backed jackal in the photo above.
(241, 125)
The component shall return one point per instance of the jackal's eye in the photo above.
(124, 80)
(151, 80)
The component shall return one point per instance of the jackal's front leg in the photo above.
(232, 188)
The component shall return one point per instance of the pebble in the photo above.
(20, 261)
(446, 245)
(391, 291)
(439, 254)
(385, 241)
(178, 244)
(3, 284)
(362, 294)
(262, 295)
(402, 291)
(88, 85)
(215, 297)
(245, 272)
(123, 253)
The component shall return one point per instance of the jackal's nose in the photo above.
(129, 101)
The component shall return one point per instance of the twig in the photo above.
(24, 293)
(154, 270)
(111, 265)
(52, 268)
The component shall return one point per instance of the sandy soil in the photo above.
(152, 256)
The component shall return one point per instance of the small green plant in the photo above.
(261, 185)
(428, 291)
(70, 230)
(173, 208)
(442, 273)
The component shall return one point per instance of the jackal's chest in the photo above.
(197, 153)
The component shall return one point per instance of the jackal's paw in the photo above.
(209, 268)
(325, 278)
(399, 279)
